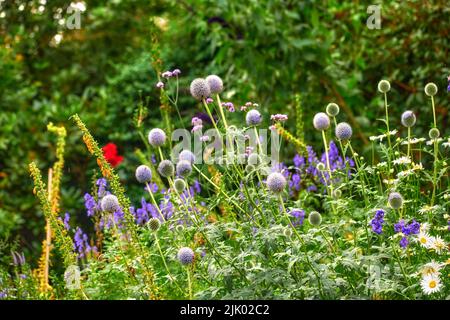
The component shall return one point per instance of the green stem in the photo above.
(165, 263)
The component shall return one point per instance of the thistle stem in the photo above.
(154, 201)
(222, 114)
(210, 116)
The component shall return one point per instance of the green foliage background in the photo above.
(266, 51)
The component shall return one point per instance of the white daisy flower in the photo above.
(424, 239)
(390, 181)
(438, 244)
(428, 208)
(430, 284)
(431, 268)
(432, 141)
(424, 227)
(406, 173)
(402, 160)
(447, 144)
(413, 141)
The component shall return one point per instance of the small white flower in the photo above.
(430, 284)
(424, 239)
(402, 160)
(413, 141)
(431, 268)
(417, 166)
(428, 208)
(447, 144)
(425, 227)
(390, 181)
(406, 173)
(432, 141)
(438, 244)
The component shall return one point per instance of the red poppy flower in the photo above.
(110, 154)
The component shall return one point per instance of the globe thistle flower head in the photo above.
(249, 168)
(395, 200)
(187, 156)
(343, 131)
(431, 89)
(166, 168)
(156, 137)
(154, 224)
(384, 86)
(315, 218)
(434, 133)
(184, 168)
(408, 119)
(320, 166)
(143, 174)
(276, 182)
(186, 256)
(253, 118)
(337, 193)
(110, 203)
(321, 121)
(332, 109)
(179, 185)
(200, 89)
(215, 83)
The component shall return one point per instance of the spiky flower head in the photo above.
(110, 203)
(321, 121)
(332, 109)
(184, 168)
(143, 174)
(215, 83)
(249, 168)
(408, 119)
(254, 159)
(253, 118)
(166, 168)
(154, 224)
(395, 200)
(200, 89)
(156, 137)
(187, 155)
(337, 193)
(343, 131)
(276, 182)
(315, 218)
(384, 86)
(431, 89)
(434, 133)
(320, 166)
(186, 255)
(179, 185)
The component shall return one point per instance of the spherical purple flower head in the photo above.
(315, 218)
(110, 203)
(253, 118)
(200, 89)
(184, 168)
(215, 83)
(343, 131)
(187, 156)
(176, 72)
(321, 121)
(276, 182)
(408, 119)
(143, 174)
(156, 137)
(395, 200)
(332, 109)
(431, 89)
(166, 168)
(384, 86)
(186, 255)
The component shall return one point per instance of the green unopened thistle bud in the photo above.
(315, 218)
(320, 166)
(154, 224)
(249, 168)
(332, 109)
(434, 133)
(179, 185)
(337, 193)
(431, 89)
(384, 86)
(287, 232)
